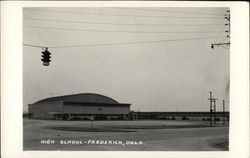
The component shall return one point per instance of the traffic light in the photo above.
(46, 57)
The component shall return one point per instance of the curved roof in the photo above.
(83, 97)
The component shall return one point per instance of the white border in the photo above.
(11, 79)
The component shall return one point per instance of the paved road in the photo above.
(183, 139)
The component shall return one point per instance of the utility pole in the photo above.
(210, 109)
(227, 17)
(214, 100)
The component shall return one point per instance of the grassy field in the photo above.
(141, 135)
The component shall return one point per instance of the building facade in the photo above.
(79, 107)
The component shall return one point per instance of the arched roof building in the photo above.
(84, 104)
(82, 97)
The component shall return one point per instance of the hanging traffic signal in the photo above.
(46, 57)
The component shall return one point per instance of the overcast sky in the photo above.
(168, 64)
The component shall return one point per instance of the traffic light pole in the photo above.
(219, 44)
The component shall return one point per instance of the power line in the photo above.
(114, 31)
(31, 45)
(123, 43)
(171, 11)
(103, 23)
(228, 31)
(222, 30)
(125, 15)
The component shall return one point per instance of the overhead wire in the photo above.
(222, 30)
(123, 43)
(32, 45)
(168, 11)
(124, 15)
(105, 23)
(116, 31)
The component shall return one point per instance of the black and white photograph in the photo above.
(145, 79)
(124, 79)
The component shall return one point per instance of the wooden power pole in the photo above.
(212, 108)
(227, 17)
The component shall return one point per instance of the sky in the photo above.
(156, 59)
